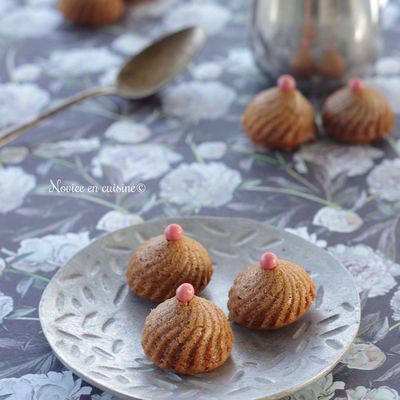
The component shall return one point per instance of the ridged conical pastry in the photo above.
(91, 12)
(270, 298)
(356, 114)
(187, 337)
(160, 265)
(280, 118)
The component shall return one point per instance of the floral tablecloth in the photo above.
(185, 154)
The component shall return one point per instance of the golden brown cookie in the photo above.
(357, 114)
(270, 294)
(91, 12)
(159, 265)
(187, 334)
(280, 118)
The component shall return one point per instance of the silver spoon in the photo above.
(143, 75)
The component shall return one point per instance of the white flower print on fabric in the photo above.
(388, 86)
(211, 150)
(371, 270)
(15, 184)
(364, 356)
(323, 389)
(380, 393)
(6, 6)
(335, 220)
(207, 70)
(127, 132)
(42, 2)
(388, 66)
(27, 72)
(395, 305)
(240, 61)
(20, 101)
(129, 43)
(384, 180)
(31, 22)
(337, 159)
(54, 385)
(114, 220)
(48, 252)
(143, 161)
(199, 185)
(109, 77)
(212, 17)
(67, 148)
(13, 155)
(198, 100)
(82, 61)
(2, 265)
(390, 16)
(302, 232)
(153, 9)
(6, 306)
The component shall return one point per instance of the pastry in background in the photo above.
(280, 118)
(159, 265)
(270, 294)
(332, 64)
(187, 334)
(357, 114)
(92, 12)
(302, 64)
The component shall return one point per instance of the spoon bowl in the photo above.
(142, 76)
(150, 70)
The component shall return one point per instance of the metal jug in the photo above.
(318, 41)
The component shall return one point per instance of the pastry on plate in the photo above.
(270, 294)
(159, 265)
(280, 118)
(357, 114)
(187, 334)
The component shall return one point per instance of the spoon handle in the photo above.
(10, 134)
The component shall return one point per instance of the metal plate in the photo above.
(93, 322)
